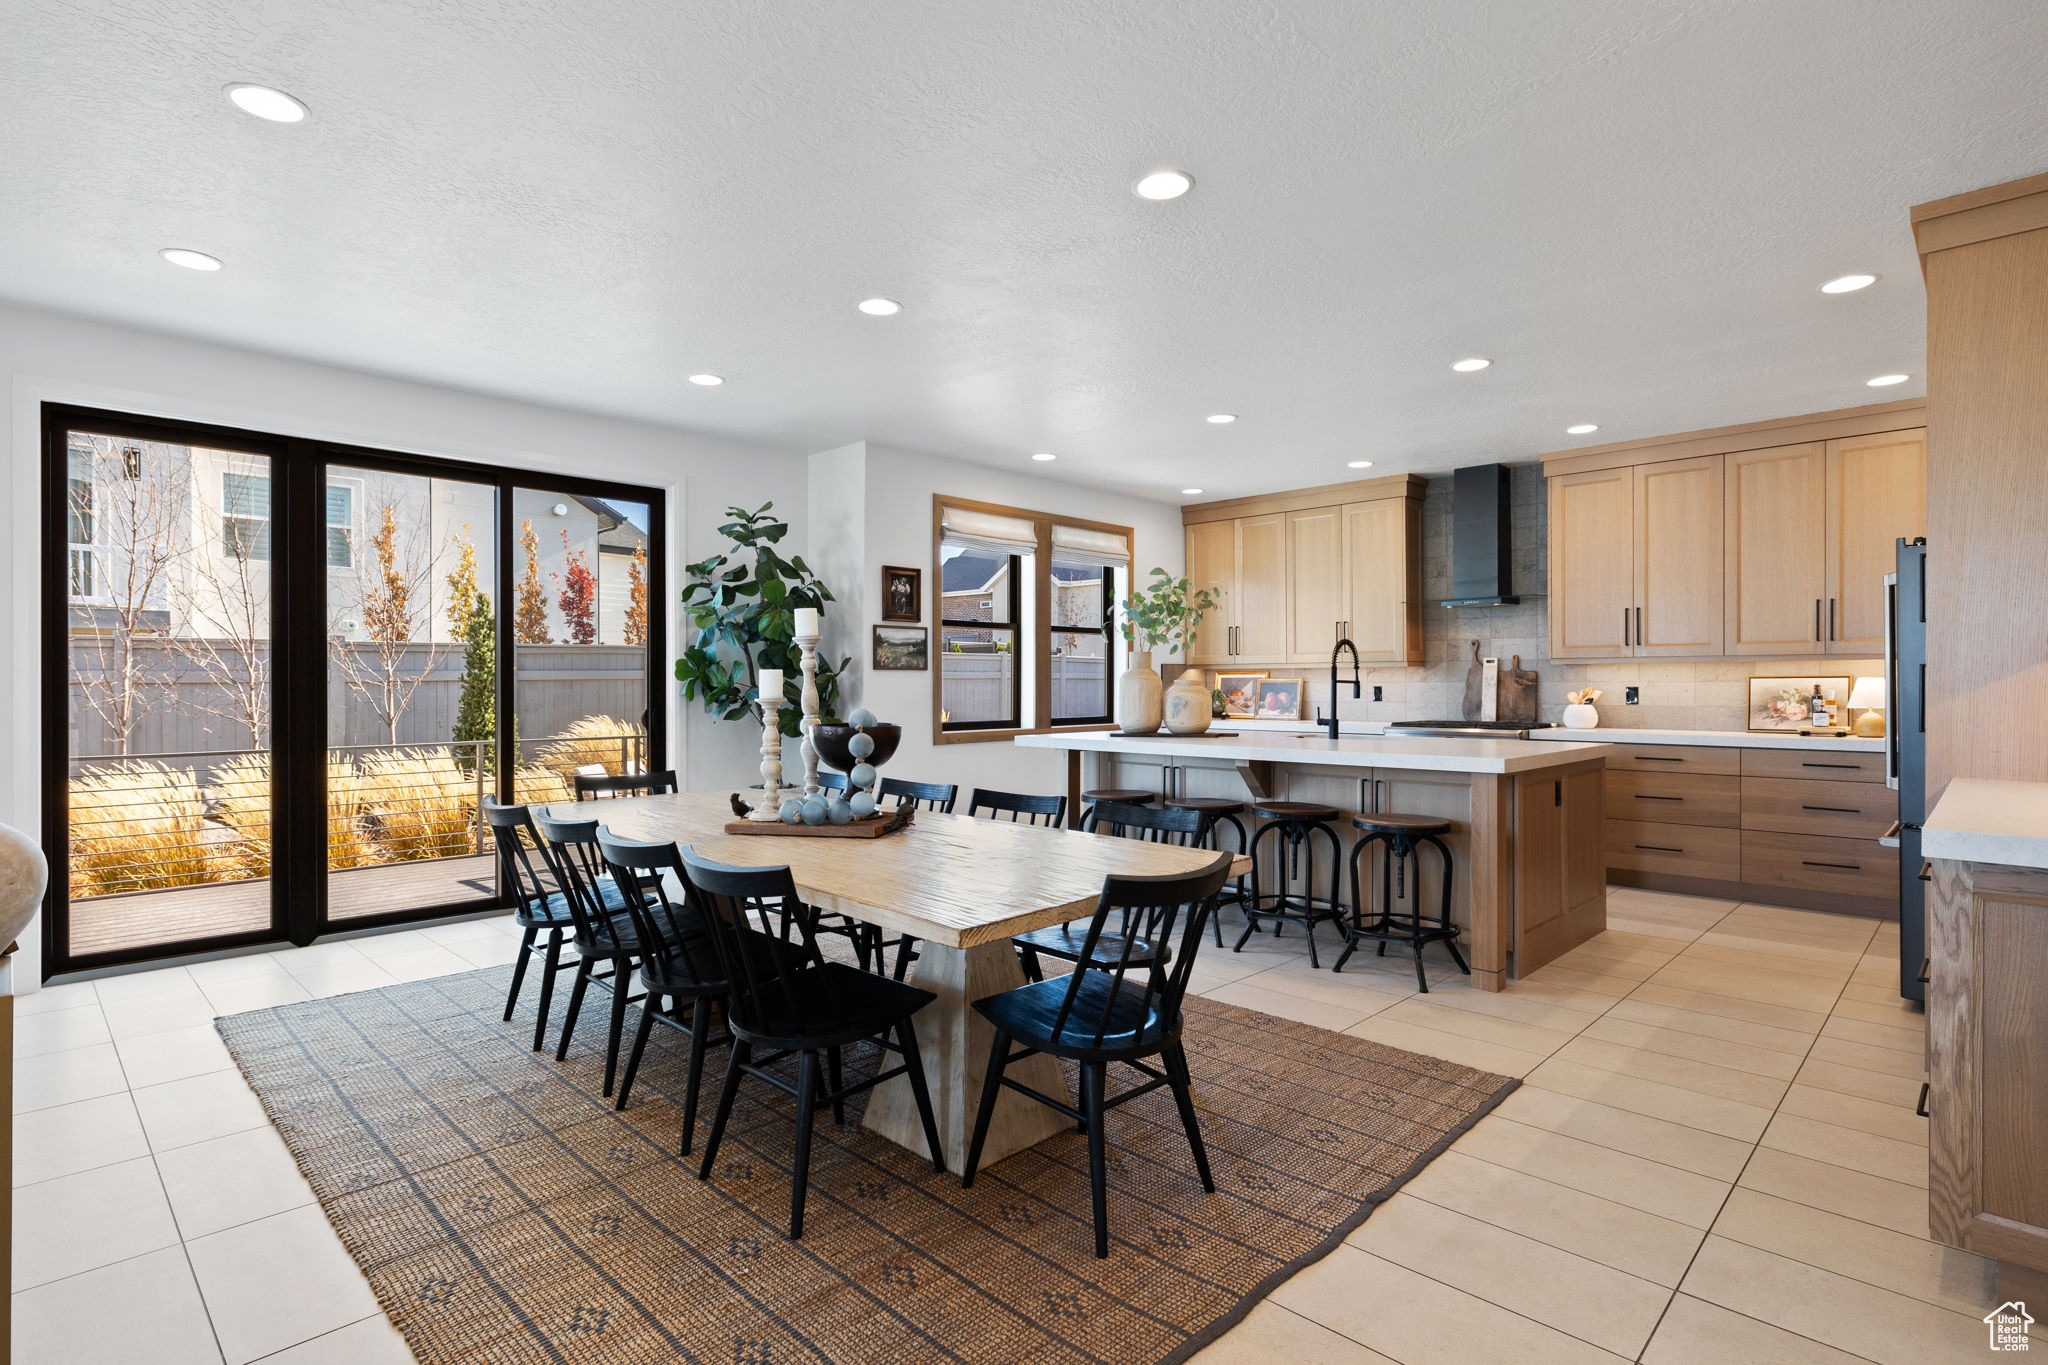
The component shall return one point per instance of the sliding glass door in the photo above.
(286, 674)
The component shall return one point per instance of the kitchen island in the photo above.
(1526, 817)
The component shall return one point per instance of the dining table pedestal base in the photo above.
(956, 1041)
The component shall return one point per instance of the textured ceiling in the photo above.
(1627, 204)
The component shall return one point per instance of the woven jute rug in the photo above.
(505, 1213)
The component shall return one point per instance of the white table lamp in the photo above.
(1868, 696)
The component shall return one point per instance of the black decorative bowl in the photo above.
(831, 740)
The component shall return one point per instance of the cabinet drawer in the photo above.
(1676, 850)
(1675, 798)
(1814, 765)
(1807, 862)
(1673, 758)
(1786, 805)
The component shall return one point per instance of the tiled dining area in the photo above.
(1713, 1156)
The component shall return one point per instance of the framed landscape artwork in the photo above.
(1785, 705)
(901, 649)
(901, 594)
(1240, 694)
(1279, 699)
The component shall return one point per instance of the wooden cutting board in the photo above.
(1518, 693)
(1475, 686)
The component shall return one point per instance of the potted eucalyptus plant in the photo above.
(1163, 615)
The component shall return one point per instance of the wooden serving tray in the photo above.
(868, 827)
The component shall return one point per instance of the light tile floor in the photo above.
(1713, 1157)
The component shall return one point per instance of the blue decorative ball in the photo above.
(814, 810)
(839, 810)
(863, 775)
(862, 805)
(861, 745)
(861, 716)
(791, 812)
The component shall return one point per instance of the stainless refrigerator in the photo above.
(1905, 671)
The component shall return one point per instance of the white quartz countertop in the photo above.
(1430, 755)
(1715, 739)
(1979, 820)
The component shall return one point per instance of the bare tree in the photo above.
(392, 602)
(224, 603)
(128, 505)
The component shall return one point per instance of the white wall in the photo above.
(897, 487)
(51, 357)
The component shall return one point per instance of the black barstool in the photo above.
(1122, 796)
(1401, 835)
(1291, 825)
(1217, 811)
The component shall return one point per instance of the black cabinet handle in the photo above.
(1659, 798)
(1831, 619)
(1839, 810)
(1657, 758)
(1816, 619)
(1639, 627)
(1845, 767)
(1624, 627)
(1845, 867)
(1658, 848)
(1920, 1105)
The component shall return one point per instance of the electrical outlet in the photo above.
(1378, 694)
(1632, 697)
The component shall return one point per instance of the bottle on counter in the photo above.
(1817, 709)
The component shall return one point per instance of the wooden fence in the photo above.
(978, 686)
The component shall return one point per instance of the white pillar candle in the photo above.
(771, 682)
(806, 620)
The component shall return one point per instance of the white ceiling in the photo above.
(1627, 204)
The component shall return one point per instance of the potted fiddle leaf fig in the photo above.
(1163, 614)
(743, 603)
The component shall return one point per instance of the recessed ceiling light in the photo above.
(1220, 418)
(1848, 284)
(1884, 380)
(1190, 492)
(1164, 185)
(191, 260)
(266, 103)
(1469, 364)
(709, 381)
(880, 308)
(1582, 429)
(1359, 464)
(1045, 455)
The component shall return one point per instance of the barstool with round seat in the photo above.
(1402, 836)
(1122, 796)
(1291, 825)
(1218, 811)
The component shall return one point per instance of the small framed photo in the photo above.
(1240, 694)
(902, 649)
(902, 595)
(1785, 705)
(1279, 699)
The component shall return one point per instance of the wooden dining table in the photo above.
(963, 886)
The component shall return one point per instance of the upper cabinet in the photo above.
(1294, 573)
(1777, 551)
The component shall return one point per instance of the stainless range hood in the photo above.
(1482, 546)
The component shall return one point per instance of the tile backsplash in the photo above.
(1674, 696)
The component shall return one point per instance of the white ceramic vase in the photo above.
(1188, 703)
(23, 875)
(1581, 715)
(1139, 707)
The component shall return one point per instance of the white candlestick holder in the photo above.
(809, 645)
(770, 809)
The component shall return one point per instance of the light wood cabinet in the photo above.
(1776, 512)
(1592, 578)
(1877, 492)
(1293, 580)
(1678, 559)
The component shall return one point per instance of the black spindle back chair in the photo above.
(607, 933)
(591, 786)
(833, 782)
(795, 1002)
(1050, 811)
(1135, 934)
(1113, 1007)
(527, 872)
(938, 796)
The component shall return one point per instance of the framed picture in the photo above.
(1279, 699)
(1240, 694)
(902, 649)
(1785, 705)
(902, 599)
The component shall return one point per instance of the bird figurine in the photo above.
(740, 808)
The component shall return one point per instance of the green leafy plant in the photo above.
(743, 602)
(1165, 613)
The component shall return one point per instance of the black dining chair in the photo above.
(798, 1004)
(1110, 1008)
(607, 944)
(591, 786)
(936, 796)
(1151, 824)
(1050, 811)
(831, 781)
(526, 871)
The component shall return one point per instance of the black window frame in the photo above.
(1015, 625)
(1109, 638)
